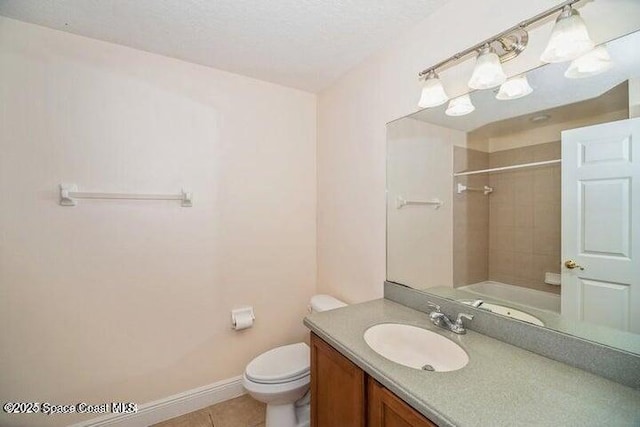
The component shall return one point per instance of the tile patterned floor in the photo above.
(242, 411)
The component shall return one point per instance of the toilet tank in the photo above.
(324, 303)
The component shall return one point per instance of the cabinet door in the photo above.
(337, 388)
(387, 410)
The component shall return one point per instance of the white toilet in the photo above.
(280, 377)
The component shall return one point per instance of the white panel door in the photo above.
(601, 224)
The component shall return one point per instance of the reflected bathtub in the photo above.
(516, 294)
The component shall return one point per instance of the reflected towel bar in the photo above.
(400, 202)
(69, 193)
(486, 189)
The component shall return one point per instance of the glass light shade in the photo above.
(569, 38)
(460, 106)
(590, 64)
(433, 93)
(514, 88)
(488, 71)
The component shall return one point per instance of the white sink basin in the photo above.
(415, 347)
(509, 312)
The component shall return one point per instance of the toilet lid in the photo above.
(281, 364)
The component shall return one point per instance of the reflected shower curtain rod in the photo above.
(505, 168)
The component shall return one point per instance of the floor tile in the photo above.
(242, 411)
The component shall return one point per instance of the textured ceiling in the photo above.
(305, 44)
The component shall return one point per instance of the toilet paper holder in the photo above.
(242, 318)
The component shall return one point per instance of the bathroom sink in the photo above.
(509, 312)
(415, 347)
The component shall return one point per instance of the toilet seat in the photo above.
(280, 365)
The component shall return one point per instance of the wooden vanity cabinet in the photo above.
(385, 409)
(337, 388)
(342, 395)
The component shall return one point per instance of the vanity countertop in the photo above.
(502, 385)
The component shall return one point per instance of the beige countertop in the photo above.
(502, 385)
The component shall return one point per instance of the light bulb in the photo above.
(460, 106)
(569, 38)
(590, 64)
(488, 71)
(433, 93)
(514, 88)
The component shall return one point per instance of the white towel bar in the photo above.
(69, 193)
(400, 202)
(486, 189)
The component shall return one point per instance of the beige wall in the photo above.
(549, 133)
(419, 238)
(352, 114)
(130, 300)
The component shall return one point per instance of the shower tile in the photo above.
(547, 216)
(502, 215)
(523, 190)
(499, 158)
(470, 219)
(501, 262)
(548, 151)
(511, 157)
(477, 159)
(523, 241)
(523, 216)
(502, 191)
(546, 242)
(545, 263)
(459, 159)
(470, 267)
(477, 241)
(546, 182)
(522, 267)
(501, 239)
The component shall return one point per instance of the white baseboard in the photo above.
(172, 406)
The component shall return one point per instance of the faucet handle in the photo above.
(436, 306)
(463, 316)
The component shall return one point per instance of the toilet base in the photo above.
(281, 415)
(303, 414)
(287, 415)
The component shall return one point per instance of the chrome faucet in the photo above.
(441, 320)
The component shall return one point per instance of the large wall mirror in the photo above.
(527, 208)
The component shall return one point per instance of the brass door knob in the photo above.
(571, 264)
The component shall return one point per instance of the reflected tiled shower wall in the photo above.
(524, 217)
(470, 220)
(513, 235)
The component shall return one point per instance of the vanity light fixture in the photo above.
(590, 64)
(460, 106)
(433, 93)
(569, 38)
(488, 71)
(514, 88)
